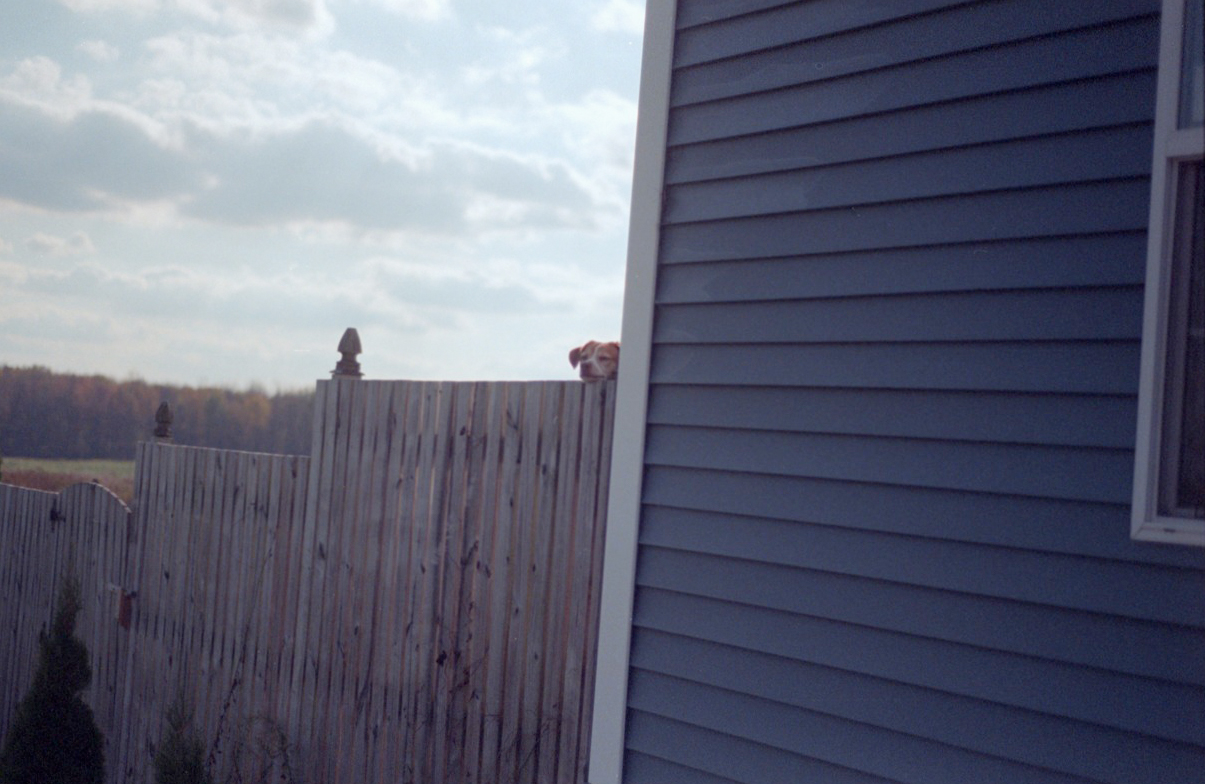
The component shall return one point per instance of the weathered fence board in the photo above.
(473, 492)
(205, 526)
(414, 602)
(83, 532)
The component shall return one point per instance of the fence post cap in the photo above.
(349, 347)
(163, 422)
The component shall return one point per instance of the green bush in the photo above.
(54, 737)
(181, 757)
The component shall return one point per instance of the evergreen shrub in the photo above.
(54, 737)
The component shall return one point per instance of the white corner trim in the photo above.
(631, 403)
(1146, 524)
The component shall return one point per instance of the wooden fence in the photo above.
(214, 531)
(84, 531)
(415, 602)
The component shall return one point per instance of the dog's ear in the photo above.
(574, 355)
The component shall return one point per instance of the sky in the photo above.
(208, 192)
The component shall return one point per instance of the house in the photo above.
(907, 469)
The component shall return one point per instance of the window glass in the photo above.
(1192, 66)
(1184, 492)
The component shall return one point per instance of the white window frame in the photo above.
(1172, 146)
(631, 400)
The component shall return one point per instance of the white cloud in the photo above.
(51, 162)
(323, 172)
(250, 81)
(620, 16)
(100, 51)
(428, 10)
(50, 245)
(267, 167)
(309, 17)
(38, 81)
(96, 6)
(305, 17)
(599, 130)
(513, 56)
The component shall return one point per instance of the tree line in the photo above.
(46, 414)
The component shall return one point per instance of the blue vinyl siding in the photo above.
(1056, 262)
(885, 87)
(1114, 153)
(1064, 420)
(890, 432)
(774, 53)
(1051, 211)
(1108, 100)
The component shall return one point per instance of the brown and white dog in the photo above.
(598, 361)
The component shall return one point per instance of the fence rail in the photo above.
(414, 602)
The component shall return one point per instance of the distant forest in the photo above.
(56, 415)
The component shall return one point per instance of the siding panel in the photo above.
(888, 449)
(1111, 153)
(1042, 61)
(858, 747)
(643, 768)
(1095, 752)
(1015, 316)
(1074, 474)
(757, 22)
(1041, 524)
(1170, 711)
(725, 757)
(692, 14)
(1113, 99)
(983, 605)
(1060, 367)
(1063, 420)
(1090, 208)
(1051, 262)
(765, 64)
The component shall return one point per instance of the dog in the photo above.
(598, 361)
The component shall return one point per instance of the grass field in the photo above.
(54, 475)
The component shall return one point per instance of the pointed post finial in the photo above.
(163, 422)
(349, 347)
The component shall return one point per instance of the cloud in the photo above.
(99, 6)
(428, 10)
(465, 290)
(38, 81)
(513, 57)
(599, 131)
(53, 163)
(250, 80)
(619, 16)
(49, 245)
(305, 17)
(288, 171)
(323, 172)
(99, 51)
(309, 17)
(166, 294)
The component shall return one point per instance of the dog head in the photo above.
(597, 361)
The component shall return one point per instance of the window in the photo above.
(1169, 471)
